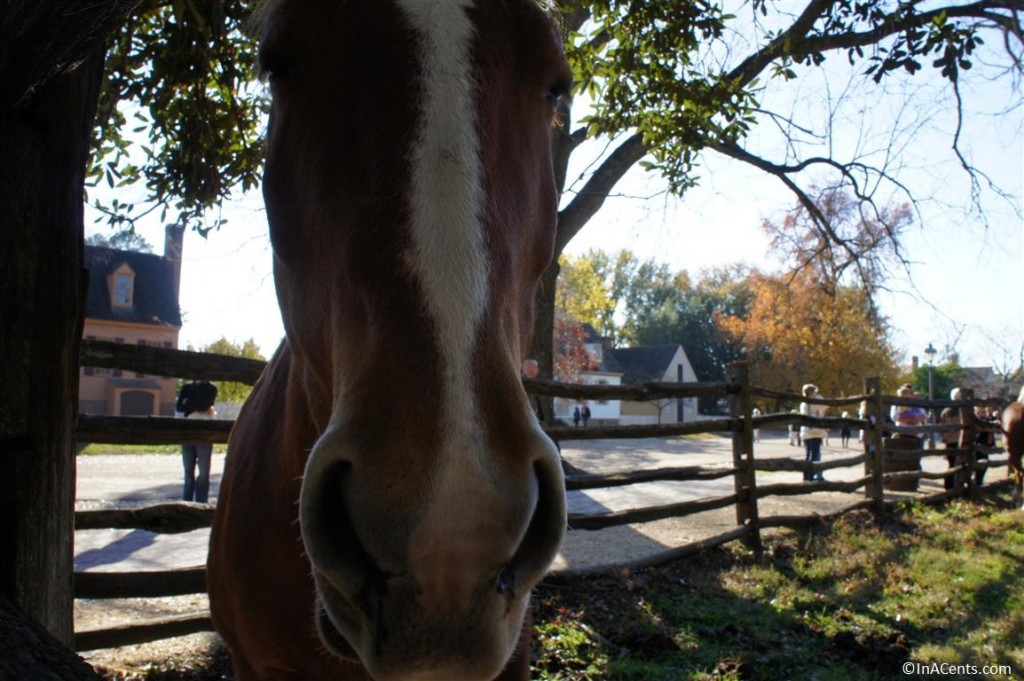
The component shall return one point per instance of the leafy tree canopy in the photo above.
(674, 81)
(684, 76)
(791, 327)
(182, 77)
(944, 377)
(613, 292)
(571, 358)
(690, 317)
(584, 292)
(814, 323)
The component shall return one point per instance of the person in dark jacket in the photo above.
(195, 401)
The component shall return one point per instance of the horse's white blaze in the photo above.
(448, 252)
(449, 261)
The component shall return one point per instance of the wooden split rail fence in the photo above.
(879, 458)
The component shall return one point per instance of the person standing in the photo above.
(794, 433)
(907, 416)
(812, 436)
(985, 439)
(862, 414)
(195, 401)
(757, 431)
(952, 438)
(585, 414)
(576, 416)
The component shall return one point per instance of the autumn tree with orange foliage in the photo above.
(571, 358)
(796, 332)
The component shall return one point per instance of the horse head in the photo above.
(411, 200)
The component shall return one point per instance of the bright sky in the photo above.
(964, 289)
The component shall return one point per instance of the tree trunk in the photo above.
(544, 333)
(43, 151)
(51, 67)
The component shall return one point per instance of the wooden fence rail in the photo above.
(878, 459)
(147, 631)
(588, 481)
(149, 359)
(150, 430)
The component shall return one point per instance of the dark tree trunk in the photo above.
(41, 196)
(51, 66)
(544, 332)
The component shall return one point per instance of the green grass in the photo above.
(854, 601)
(94, 448)
(700, 436)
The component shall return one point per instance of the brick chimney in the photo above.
(174, 238)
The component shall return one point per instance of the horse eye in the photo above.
(274, 67)
(557, 92)
(275, 74)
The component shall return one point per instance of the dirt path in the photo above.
(138, 480)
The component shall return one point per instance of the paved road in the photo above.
(138, 480)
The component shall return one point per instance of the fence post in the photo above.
(873, 441)
(969, 440)
(740, 407)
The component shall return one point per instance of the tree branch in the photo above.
(594, 193)
(819, 220)
(794, 41)
(752, 66)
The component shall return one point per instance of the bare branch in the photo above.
(590, 199)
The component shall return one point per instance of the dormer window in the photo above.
(122, 286)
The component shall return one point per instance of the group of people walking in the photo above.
(581, 413)
(812, 438)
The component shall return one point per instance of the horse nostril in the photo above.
(507, 583)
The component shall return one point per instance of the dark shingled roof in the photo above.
(644, 364)
(154, 300)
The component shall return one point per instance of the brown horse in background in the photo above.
(389, 499)
(1013, 437)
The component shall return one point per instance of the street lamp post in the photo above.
(930, 351)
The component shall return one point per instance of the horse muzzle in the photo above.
(434, 586)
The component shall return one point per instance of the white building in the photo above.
(633, 366)
(656, 363)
